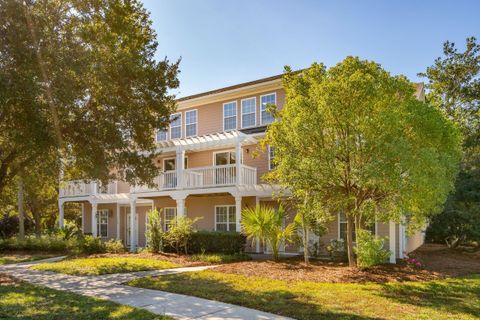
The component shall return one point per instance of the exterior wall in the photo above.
(414, 241)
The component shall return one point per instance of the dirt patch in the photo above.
(6, 280)
(171, 257)
(439, 263)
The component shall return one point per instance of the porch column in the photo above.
(94, 219)
(238, 213)
(238, 161)
(180, 165)
(83, 217)
(257, 241)
(61, 214)
(392, 242)
(180, 206)
(133, 226)
(118, 221)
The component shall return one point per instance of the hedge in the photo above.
(214, 242)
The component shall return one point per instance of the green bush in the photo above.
(221, 258)
(154, 232)
(370, 250)
(180, 233)
(50, 243)
(216, 242)
(114, 246)
(91, 245)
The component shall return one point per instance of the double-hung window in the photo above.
(342, 227)
(249, 116)
(102, 223)
(176, 126)
(225, 219)
(169, 215)
(271, 156)
(230, 116)
(265, 116)
(191, 123)
(161, 135)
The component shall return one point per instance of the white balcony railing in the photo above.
(215, 176)
(77, 188)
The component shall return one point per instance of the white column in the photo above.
(61, 214)
(133, 213)
(180, 206)
(83, 217)
(238, 212)
(180, 167)
(94, 219)
(392, 242)
(238, 161)
(257, 241)
(118, 221)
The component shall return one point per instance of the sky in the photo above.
(226, 42)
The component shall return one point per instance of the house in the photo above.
(210, 166)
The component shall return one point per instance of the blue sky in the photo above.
(227, 42)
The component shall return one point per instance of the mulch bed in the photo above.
(440, 262)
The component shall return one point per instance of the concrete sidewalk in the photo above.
(108, 287)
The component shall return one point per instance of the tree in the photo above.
(79, 79)
(454, 83)
(356, 140)
(180, 232)
(154, 233)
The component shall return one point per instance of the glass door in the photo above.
(225, 170)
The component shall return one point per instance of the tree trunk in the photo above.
(21, 212)
(351, 258)
(38, 220)
(305, 241)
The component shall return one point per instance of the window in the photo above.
(224, 158)
(176, 126)
(191, 123)
(102, 223)
(225, 219)
(271, 156)
(265, 116)
(161, 135)
(169, 214)
(169, 164)
(342, 225)
(249, 114)
(229, 116)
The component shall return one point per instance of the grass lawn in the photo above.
(98, 266)
(456, 298)
(221, 258)
(26, 301)
(7, 258)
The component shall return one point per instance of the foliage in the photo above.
(9, 225)
(369, 250)
(69, 231)
(180, 232)
(268, 225)
(455, 298)
(454, 83)
(354, 138)
(23, 257)
(227, 243)
(154, 232)
(90, 245)
(43, 244)
(98, 266)
(221, 258)
(337, 249)
(413, 262)
(79, 81)
(26, 301)
(114, 246)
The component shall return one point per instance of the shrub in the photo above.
(90, 245)
(45, 243)
(221, 258)
(154, 232)
(370, 250)
(114, 246)
(180, 232)
(216, 242)
(337, 249)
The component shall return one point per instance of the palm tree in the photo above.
(267, 225)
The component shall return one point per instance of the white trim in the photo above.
(196, 123)
(99, 212)
(228, 220)
(223, 151)
(338, 227)
(236, 115)
(173, 115)
(260, 106)
(254, 112)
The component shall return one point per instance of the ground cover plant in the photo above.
(221, 258)
(17, 257)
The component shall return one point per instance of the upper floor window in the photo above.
(249, 108)
(271, 156)
(265, 116)
(161, 135)
(176, 126)
(230, 116)
(191, 123)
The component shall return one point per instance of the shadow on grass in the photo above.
(25, 301)
(456, 295)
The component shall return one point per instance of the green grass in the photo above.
(98, 266)
(221, 258)
(26, 301)
(7, 258)
(457, 298)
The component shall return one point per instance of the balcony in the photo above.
(204, 177)
(79, 188)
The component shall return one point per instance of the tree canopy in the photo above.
(79, 79)
(356, 140)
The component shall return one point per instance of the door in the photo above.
(224, 167)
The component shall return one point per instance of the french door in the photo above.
(225, 171)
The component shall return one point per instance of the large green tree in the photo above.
(79, 79)
(355, 139)
(454, 87)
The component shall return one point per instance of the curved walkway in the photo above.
(109, 287)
